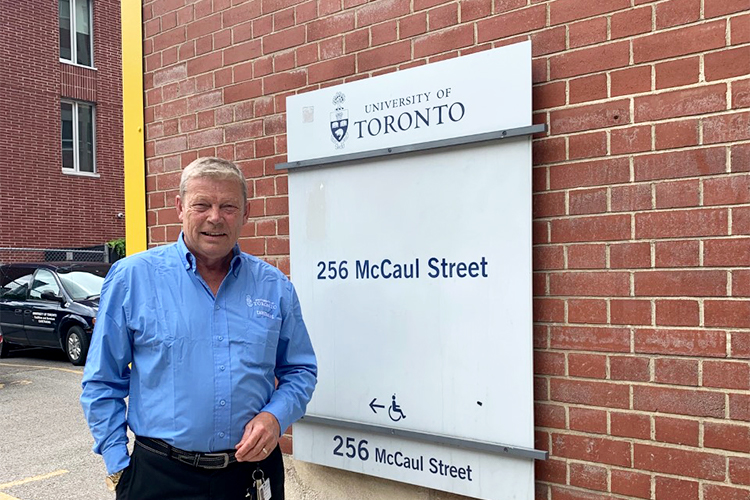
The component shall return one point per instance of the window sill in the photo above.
(71, 63)
(67, 171)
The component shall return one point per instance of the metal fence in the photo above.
(98, 253)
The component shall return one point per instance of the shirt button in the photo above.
(221, 338)
(222, 402)
(221, 434)
(222, 368)
(217, 308)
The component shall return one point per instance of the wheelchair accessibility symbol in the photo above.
(394, 412)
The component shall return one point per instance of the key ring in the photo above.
(262, 476)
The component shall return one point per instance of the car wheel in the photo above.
(76, 345)
(4, 348)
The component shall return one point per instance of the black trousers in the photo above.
(154, 477)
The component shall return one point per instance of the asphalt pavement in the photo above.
(45, 445)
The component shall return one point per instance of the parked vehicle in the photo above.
(50, 304)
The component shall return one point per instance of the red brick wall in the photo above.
(641, 199)
(39, 205)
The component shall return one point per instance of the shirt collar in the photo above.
(188, 259)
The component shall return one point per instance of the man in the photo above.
(209, 345)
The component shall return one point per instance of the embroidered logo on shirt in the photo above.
(263, 307)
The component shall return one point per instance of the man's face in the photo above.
(212, 216)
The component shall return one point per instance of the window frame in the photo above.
(76, 170)
(73, 39)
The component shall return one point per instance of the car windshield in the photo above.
(82, 285)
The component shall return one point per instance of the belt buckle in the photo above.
(212, 455)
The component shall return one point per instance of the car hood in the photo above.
(93, 303)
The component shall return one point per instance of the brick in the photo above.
(731, 313)
(630, 255)
(243, 91)
(587, 420)
(678, 42)
(588, 476)
(741, 220)
(676, 371)
(739, 407)
(678, 194)
(677, 103)
(588, 88)
(717, 492)
(740, 158)
(590, 338)
(677, 12)
(727, 252)
(547, 415)
(669, 488)
(740, 28)
(383, 56)
(676, 134)
(678, 401)
(598, 228)
(677, 73)
(281, 82)
(727, 63)
(726, 374)
(553, 471)
(726, 128)
(630, 140)
(630, 81)
(374, 13)
(284, 39)
(442, 16)
(549, 310)
(549, 95)
(587, 256)
(595, 284)
(590, 60)
(741, 283)
(548, 41)
(677, 313)
(677, 431)
(635, 484)
(681, 223)
(472, 10)
(599, 450)
(727, 190)
(630, 312)
(731, 437)
(740, 94)
(331, 69)
(564, 11)
(587, 201)
(715, 8)
(691, 283)
(587, 32)
(205, 26)
(589, 117)
(739, 470)
(630, 22)
(590, 173)
(679, 462)
(541, 389)
(587, 366)
(512, 23)
(330, 26)
(548, 258)
(681, 253)
(630, 425)
(630, 198)
(410, 26)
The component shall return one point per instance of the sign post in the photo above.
(410, 233)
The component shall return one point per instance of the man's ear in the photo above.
(178, 206)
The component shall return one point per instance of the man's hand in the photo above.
(259, 439)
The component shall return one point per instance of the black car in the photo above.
(50, 304)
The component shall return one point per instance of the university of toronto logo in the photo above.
(339, 121)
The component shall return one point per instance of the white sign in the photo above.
(483, 92)
(414, 273)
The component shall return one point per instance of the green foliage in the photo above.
(118, 245)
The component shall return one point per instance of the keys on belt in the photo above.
(200, 460)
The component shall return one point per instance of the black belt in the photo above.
(203, 460)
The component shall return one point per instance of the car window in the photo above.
(82, 285)
(44, 281)
(14, 286)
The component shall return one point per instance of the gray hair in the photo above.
(214, 168)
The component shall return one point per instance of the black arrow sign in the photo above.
(373, 405)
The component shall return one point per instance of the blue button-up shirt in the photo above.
(202, 366)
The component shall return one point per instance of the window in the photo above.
(77, 137)
(44, 281)
(76, 43)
